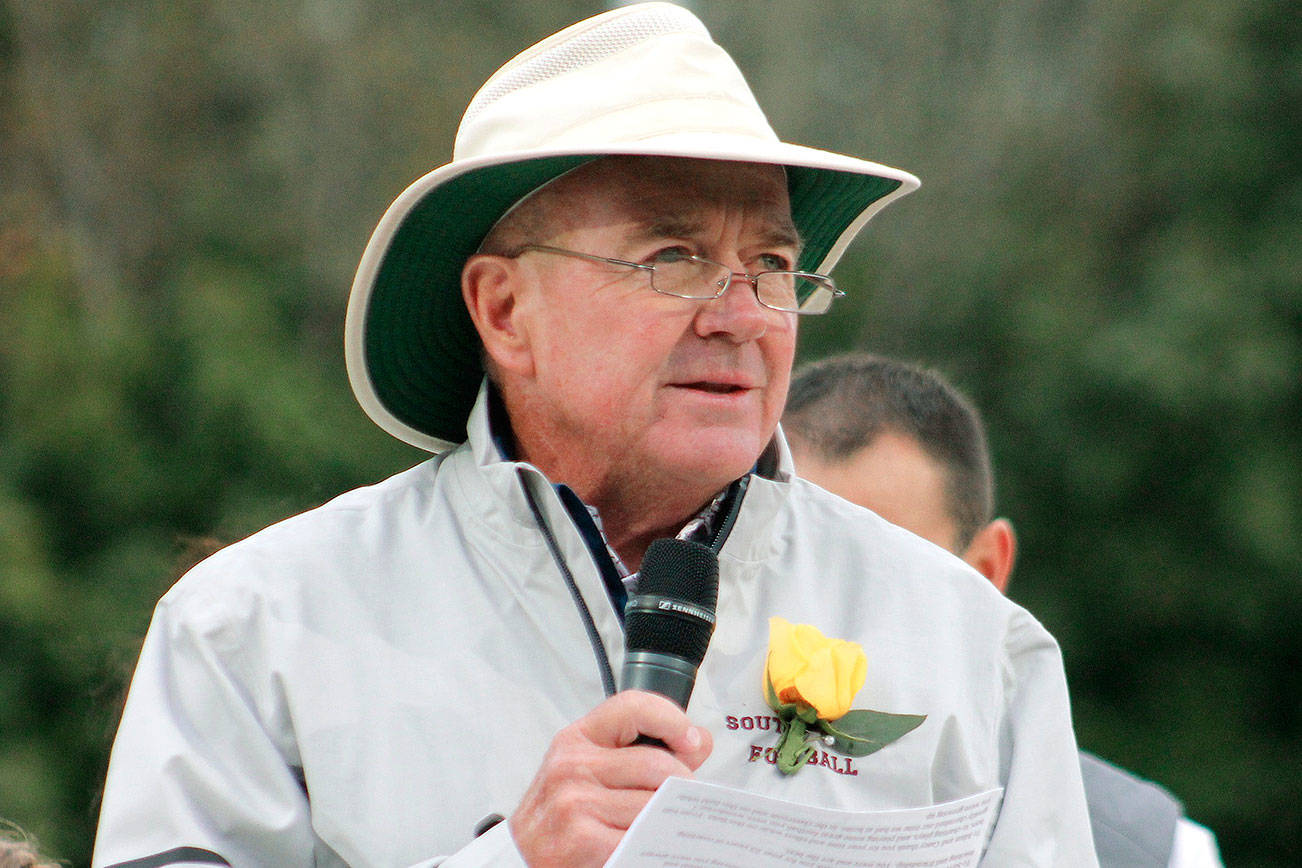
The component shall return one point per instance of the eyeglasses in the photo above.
(685, 276)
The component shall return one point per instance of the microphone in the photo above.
(668, 623)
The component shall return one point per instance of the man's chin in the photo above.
(715, 461)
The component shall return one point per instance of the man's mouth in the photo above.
(714, 388)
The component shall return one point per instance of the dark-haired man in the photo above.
(901, 441)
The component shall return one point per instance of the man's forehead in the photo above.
(674, 197)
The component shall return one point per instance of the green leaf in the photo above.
(862, 731)
(794, 747)
(772, 698)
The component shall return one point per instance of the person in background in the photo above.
(18, 850)
(901, 441)
(590, 316)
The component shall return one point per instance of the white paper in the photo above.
(690, 824)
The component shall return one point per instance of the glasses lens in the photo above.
(689, 278)
(777, 289)
(797, 293)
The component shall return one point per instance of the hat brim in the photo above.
(412, 352)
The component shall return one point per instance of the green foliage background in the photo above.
(1104, 254)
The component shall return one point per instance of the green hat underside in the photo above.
(421, 348)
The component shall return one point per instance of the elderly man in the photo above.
(903, 442)
(623, 246)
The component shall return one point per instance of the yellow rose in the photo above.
(805, 667)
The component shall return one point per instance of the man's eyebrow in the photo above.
(667, 226)
(779, 232)
(783, 233)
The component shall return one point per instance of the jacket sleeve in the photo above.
(493, 849)
(1043, 820)
(195, 776)
(205, 769)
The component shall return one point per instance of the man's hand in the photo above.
(594, 780)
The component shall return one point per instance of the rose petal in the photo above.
(817, 682)
(851, 670)
(806, 640)
(804, 666)
(783, 663)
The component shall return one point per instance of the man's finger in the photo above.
(622, 719)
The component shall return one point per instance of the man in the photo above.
(614, 244)
(901, 441)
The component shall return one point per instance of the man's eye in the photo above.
(774, 262)
(670, 254)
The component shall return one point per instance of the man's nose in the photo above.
(736, 314)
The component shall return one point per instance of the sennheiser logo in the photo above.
(685, 609)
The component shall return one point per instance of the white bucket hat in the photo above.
(643, 79)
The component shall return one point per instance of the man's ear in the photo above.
(992, 552)
(490, 286)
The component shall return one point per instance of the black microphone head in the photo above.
(677, 592)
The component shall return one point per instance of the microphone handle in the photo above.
(666, 674)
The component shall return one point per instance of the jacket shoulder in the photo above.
(311, 546)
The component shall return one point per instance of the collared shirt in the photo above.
(700, 529)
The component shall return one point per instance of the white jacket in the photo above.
(361, 684)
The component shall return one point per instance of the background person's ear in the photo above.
(490, 287)
(993, 551)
